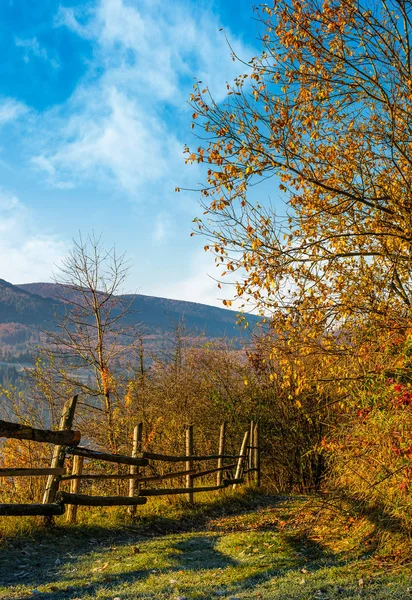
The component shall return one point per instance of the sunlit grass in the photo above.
(255, 547)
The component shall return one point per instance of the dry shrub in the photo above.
(371, 456)
(202, 385)
(24, 454)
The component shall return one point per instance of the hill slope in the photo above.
(28, 309)
(22, 306)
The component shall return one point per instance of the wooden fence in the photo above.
(67, 443)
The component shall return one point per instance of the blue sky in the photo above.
(93, 120)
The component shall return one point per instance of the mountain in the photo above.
(18, 305)
(28, 309)
(156, 316)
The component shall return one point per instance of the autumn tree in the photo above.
(325, 110)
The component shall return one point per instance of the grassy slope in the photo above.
(255, 547)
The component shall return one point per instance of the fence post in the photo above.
(250, 454)
(189, 462)
(222, 435)
(134, 469)
(241, 457)
(74, 488)
(256, 453)
(59, 454)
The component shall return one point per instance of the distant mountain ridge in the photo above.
(18, 305)
(35, 304)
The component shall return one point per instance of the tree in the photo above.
(326, 108)
(87, 351)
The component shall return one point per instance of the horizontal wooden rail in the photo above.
(27, 472)
(215, 470)
(194, 490)
(25, 432)
(169, 458)
(172, 475)
(176, 491)
(31, 510)
(115, 458)
(83, 500)
(137, 476)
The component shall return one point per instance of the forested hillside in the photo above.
(27, 310)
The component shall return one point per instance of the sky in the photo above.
(94, 116)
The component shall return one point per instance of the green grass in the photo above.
(247, 547)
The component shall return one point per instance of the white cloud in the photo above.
(11, 110)
(120, 142)
(68, 17)
(198, 285)
(25, 253)
(32, 48)
(117, 128)
(162, 228)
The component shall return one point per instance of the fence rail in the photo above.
(32, 510)
(25, 432)
(105, 456)
(28, 472)
(66, 442)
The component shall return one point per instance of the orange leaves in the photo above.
(317, 119)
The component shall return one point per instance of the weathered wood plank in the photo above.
(28, 472)
(256, 451)
(176, 491)
(134, 469)
(222, 440)
(25, 432)
(105, 456)
(194, 490)
(71, 516)
(31, 510)
(218, 470)
(250, 452)
(84, 500)
(137, 476)
(233, 481)
(242, 457)
(169, 458)
(189, 463)
(59, 453)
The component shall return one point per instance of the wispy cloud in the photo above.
(163, 228)
(117, 141)
(117, 127)
(197, 283)
(32, 48)
(11, 110)
(25, 253)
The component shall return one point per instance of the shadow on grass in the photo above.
(51, 556)
(376, 513)
(34, 558)
(200, 553)
(195, 554)
(198, 517)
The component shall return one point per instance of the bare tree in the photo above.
(88, 349)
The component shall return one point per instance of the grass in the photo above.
(251, 546)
